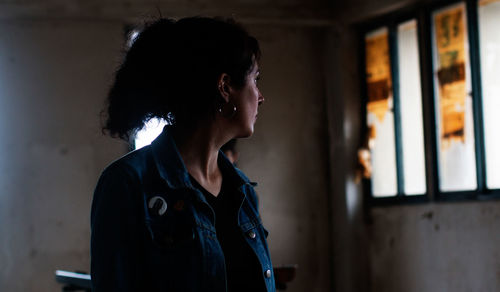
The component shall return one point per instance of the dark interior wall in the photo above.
(349, 243)
(53, 77)
(436, 247)
(287, 155)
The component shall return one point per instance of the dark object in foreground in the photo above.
(283, 275)
(73, 281)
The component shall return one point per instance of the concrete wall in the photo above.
(53, 78)
(288, 153)
(349, 243)
(56, 62)
(436, 247)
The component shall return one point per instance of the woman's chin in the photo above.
(246, 133)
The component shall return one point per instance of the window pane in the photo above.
(489, 43)
(380, 117)
(457, 165)
(150, 131)
(410, 101)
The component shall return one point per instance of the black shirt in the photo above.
(243, 270)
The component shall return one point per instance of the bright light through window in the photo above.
(410, 99)
(150, 131)
(489, 21)
(380, 116)
(457, 161)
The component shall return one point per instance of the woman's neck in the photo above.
(199, 149)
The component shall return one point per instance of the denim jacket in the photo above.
(151, 230)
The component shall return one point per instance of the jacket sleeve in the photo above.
(115, 233)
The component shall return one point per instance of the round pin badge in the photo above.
(158, 204)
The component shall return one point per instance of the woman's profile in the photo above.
(177, 215)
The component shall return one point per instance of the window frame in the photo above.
(422, 13)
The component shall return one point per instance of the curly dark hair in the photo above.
(171, 69)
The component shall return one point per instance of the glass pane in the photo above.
(410, 101)
(489, 44)
(380, 117)
(150, 131)
(457, 162)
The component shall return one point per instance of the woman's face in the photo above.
(247, 100)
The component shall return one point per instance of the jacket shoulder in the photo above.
(134, 163)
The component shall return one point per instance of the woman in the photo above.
(176, 215)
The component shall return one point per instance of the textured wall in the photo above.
(436, 247)
(53, 78)
(256, 10)
(349, 241)
(287, 154)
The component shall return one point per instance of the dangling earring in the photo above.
(227, 110)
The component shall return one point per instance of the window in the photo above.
(489, 45)
(380, 116)
(410, 105)
(146, 135)
(394, 110)
(432, 102)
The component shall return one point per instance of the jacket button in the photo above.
(252, 234)
(268, 274)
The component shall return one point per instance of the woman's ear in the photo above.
(223, 86)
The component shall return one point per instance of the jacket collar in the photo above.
(172, 169)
